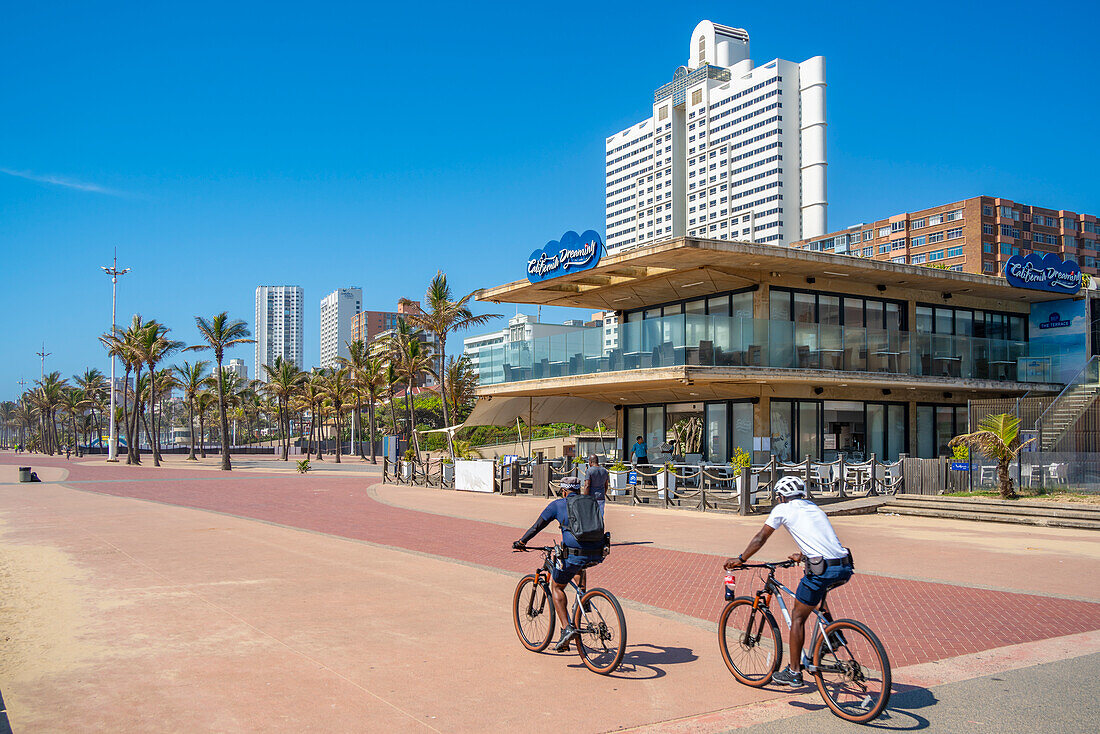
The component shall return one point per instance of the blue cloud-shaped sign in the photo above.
(1043, 273)
(572, 254)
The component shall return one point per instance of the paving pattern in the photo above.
(918, 621)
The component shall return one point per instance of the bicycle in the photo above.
(846, 658)
(597, 617)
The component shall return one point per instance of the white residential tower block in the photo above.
(731, 151)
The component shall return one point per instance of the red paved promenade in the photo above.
(918, 621)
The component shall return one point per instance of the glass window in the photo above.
(719, 305)
(853, 312)
(742, 305)
(876, 430)
(944, 323)
(828, 310)
(803, 311)
(924, 319)
(945, 429)
(782, 429)
(875, 315)
(635, 426)
(717, 437)
(780, 305)
(654, 428)
(926, 431)
(808, 430)
(743, 426)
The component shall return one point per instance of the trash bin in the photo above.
(24, 473)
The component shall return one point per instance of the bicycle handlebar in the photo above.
(772, 565)
(543, 548)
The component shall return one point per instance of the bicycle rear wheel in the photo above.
(749, 639)
(601, 631)
(533, 613)
(854, 677)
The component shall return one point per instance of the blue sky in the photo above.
(221, 146)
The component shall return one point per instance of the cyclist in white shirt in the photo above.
(828, 563)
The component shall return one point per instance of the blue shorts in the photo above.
(811, 590)
(567, 568)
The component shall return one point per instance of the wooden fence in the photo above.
(932, 476)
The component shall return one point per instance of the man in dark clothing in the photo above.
(575, 558)
(596, 480)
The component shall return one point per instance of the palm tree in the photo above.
(372, 380)
(337, 388)
(312, 395)
(220, 334)
(94, 385)
(204, 402)
(192, 378)
(997, 438)
(442, 316)
(283, 381)
(461, 385)
(50, 393)
(153, 345)
(358, 354)
(75, 402)
(417, 360)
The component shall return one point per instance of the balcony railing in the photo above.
(720, 341)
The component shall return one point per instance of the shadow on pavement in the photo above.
(899, 715)
(644, 662)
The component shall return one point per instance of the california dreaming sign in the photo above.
(1044, 273)
(574, 253)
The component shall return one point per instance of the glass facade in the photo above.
(710, 432)
(936, 425)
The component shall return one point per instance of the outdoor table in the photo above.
(946, 363)
(891, 359)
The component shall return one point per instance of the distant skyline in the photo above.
(221, 147)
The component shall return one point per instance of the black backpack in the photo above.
(585, 521)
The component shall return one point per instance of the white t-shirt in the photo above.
(809, 526)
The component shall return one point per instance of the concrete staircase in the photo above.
(1064, 412)
(1020, 512)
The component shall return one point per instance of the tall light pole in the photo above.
(114, 272)
(43, 354)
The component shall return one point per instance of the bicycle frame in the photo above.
(774, 588)
(543, 575)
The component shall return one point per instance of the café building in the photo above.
(731, 345)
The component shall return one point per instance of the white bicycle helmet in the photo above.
(790, 486)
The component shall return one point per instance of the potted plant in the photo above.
(618, 472)
(407, 464)
(448, 470)
(742, 472)
(666, 482)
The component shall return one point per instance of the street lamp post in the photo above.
(43, 354)
(114, 272)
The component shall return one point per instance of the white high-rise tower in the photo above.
(732, 151)
(278, 326)
(337, 310)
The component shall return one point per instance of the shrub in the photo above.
(303, 466)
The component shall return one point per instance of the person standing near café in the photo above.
(639, 453)
(596, 480)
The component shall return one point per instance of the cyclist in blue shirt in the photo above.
(576, 556)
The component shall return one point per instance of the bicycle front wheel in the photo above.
(852, 671)
(533, 613)
(750, 642)
(601, 631)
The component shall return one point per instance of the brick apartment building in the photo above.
(368, 324)
(976, 235)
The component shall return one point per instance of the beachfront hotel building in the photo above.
(278, 326)
(785, 351)
(975, 235)
(730, 151)
(337, 311)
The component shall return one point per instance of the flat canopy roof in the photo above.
(676, 269)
